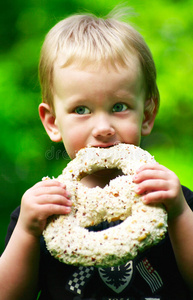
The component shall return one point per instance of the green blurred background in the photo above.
(26, 153)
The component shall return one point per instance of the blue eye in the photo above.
(118, 107)
(82, 110)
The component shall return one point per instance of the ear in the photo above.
(49, 121)
(150, 112)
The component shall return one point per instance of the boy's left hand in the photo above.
(158, 184)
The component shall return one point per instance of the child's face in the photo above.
(99, 107)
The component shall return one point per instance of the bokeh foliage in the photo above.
(27, 154)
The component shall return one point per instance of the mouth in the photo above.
(109, 145)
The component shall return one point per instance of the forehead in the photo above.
(130, 73)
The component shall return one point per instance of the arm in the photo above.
(19, 264)
(160, 185)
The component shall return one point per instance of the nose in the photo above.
(102, 126)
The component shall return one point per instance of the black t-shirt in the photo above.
(152, 275)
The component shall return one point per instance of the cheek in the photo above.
(131, 134)
(74, 140)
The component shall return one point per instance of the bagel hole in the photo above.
(104, 225)
(101, 177)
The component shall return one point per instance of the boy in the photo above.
(99, 88)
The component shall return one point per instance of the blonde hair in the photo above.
(86, 39)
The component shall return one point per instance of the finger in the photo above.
(154, 166)
(154, 197)
(53, 209)
(151, 185)
(48, 183)
(147, 174)
(54, 199)
(58, 190)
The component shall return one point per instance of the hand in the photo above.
(44, 199)
(158, 184)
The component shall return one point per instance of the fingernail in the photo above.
(68, 195)
(69, 203)
(144, 199)
(68, 209)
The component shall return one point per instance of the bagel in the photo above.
(67, 237)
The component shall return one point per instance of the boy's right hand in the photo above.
(46, 198)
